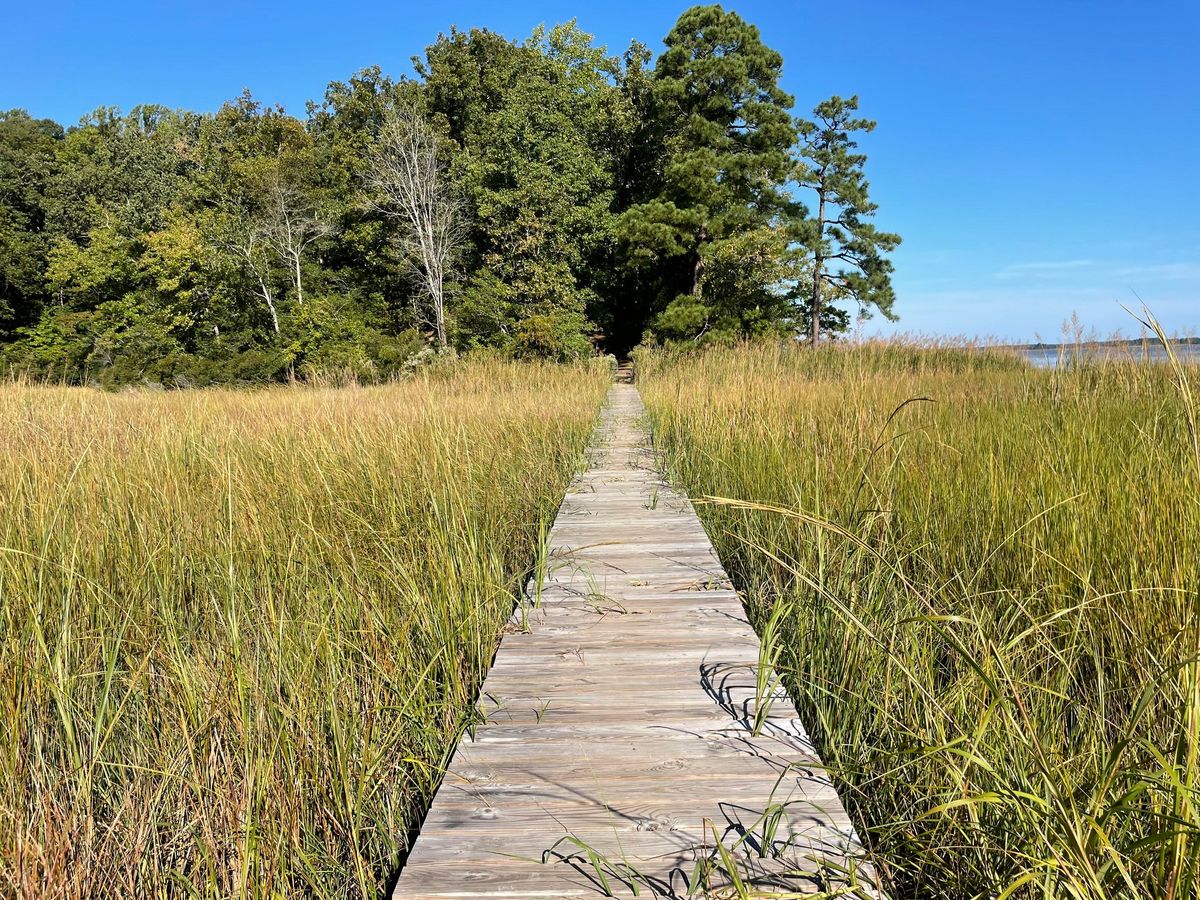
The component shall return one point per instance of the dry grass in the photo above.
(240, 631)
(990, 578)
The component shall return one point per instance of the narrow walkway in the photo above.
(617, 740)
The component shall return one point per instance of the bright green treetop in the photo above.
(534, 125)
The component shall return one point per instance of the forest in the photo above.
(536, 198)
(421, 593)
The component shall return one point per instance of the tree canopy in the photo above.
(724, 137)
(594, 201)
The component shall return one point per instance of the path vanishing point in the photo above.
(624, 730)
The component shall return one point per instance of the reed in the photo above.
(985, 581)
(240, 631)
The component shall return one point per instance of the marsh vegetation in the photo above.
(986, 579)
(240, 631)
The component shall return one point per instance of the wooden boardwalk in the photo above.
(620, 714)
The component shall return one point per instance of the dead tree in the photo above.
(248, 246)
(290, 224)
(407, 180)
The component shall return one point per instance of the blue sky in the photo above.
(1039, 159)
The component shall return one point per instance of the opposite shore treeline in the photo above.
(586, 202)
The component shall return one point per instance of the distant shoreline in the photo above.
(1128, 342)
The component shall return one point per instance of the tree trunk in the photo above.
(698, 264)
(408, 181)
(299, 280)
(271, 307)
(815, 311)
(248, 253)
(439, 312)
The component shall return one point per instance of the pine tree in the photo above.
(838, 236)
(725, 133)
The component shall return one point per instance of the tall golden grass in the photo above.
(240, 631)
(990, 583)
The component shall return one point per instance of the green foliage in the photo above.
(27, 163)
(534, 123)
(557, 334)
(99, 269)
(685, 317)
(118, 171)
(722, 162)
(839, 236)
(611, 200)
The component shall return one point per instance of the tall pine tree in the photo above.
(838, 235)
(725, 135)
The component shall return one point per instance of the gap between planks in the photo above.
(626, 713)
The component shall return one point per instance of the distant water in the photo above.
(1049, 357)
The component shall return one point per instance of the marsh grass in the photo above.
(989, 578)
(240, 631)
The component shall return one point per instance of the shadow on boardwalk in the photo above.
(625, 743)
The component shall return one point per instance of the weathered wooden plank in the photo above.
(625, 711)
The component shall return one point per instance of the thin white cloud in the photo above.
(1096, 271)
(1175, 271)
(1021, 312)
(1046, 269)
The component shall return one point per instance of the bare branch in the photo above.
(247, 244)
(290, 225)
(407, 181)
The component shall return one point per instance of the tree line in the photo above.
(539, 197)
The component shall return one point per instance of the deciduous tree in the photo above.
(28, 162)
(291, 223)
(407, 179)
(606, 199)
(533, 122)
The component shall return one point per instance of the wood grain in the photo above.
(625, 711)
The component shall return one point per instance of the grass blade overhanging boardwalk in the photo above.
(988, 603)
(239, 629)
(631, 739)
